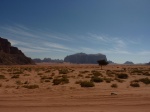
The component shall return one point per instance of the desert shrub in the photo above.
(26, 82)
(40, 74)
(87, 84)
(26, 75)
(146, 74)
(63, 80)
(119, 80)
(18, 82)
(2, 77)
(88, 76)
(96, 73)
(110, 73)
(114, 86)
(31, 86)
(122, 76)
(80, 75)
(108, 80)
(137, 71)
(47, 80)
(96, 79)
(145, 80)
(57, 81)
(135, 80)
(15, 76)
(78, 82)
(47, 71)
(134, 84)
(63, 71)
(45, 77)
(18, 72)
(84, 72)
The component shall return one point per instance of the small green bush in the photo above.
(87, 84)
(114, 86)
(134, 84)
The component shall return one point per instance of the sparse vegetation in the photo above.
(87, 84)
(96, 79)
(31, 86)
(15, 76)
(134, 84)
(122, 76)
(2, 77)
(63, 71)
(62, 80)
(114, 86)
(145, 80)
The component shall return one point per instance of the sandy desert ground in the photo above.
(57, 88)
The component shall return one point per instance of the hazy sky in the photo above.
(120, 29)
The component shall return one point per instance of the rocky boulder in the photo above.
(82, 58)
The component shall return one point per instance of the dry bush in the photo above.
(31, 86)
(134, 84)
(114, 86)
(87, 84)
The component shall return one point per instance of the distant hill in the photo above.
(47, 60)
(129, 63)
(10, 55)
(83, 58)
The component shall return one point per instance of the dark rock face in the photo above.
(82, 58)
(10, 55)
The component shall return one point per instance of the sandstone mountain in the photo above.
(82, 58)
(10, 55)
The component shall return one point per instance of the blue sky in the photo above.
(120, 29)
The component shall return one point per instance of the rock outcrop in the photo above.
(82, 58)
(10, 55)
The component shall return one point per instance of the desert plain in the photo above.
(75, 88)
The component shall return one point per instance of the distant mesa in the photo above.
(83, 58)
(129, 63)
(10, 55)
(47, 60)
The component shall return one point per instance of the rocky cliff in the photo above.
(10, 55)
(82, 58)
